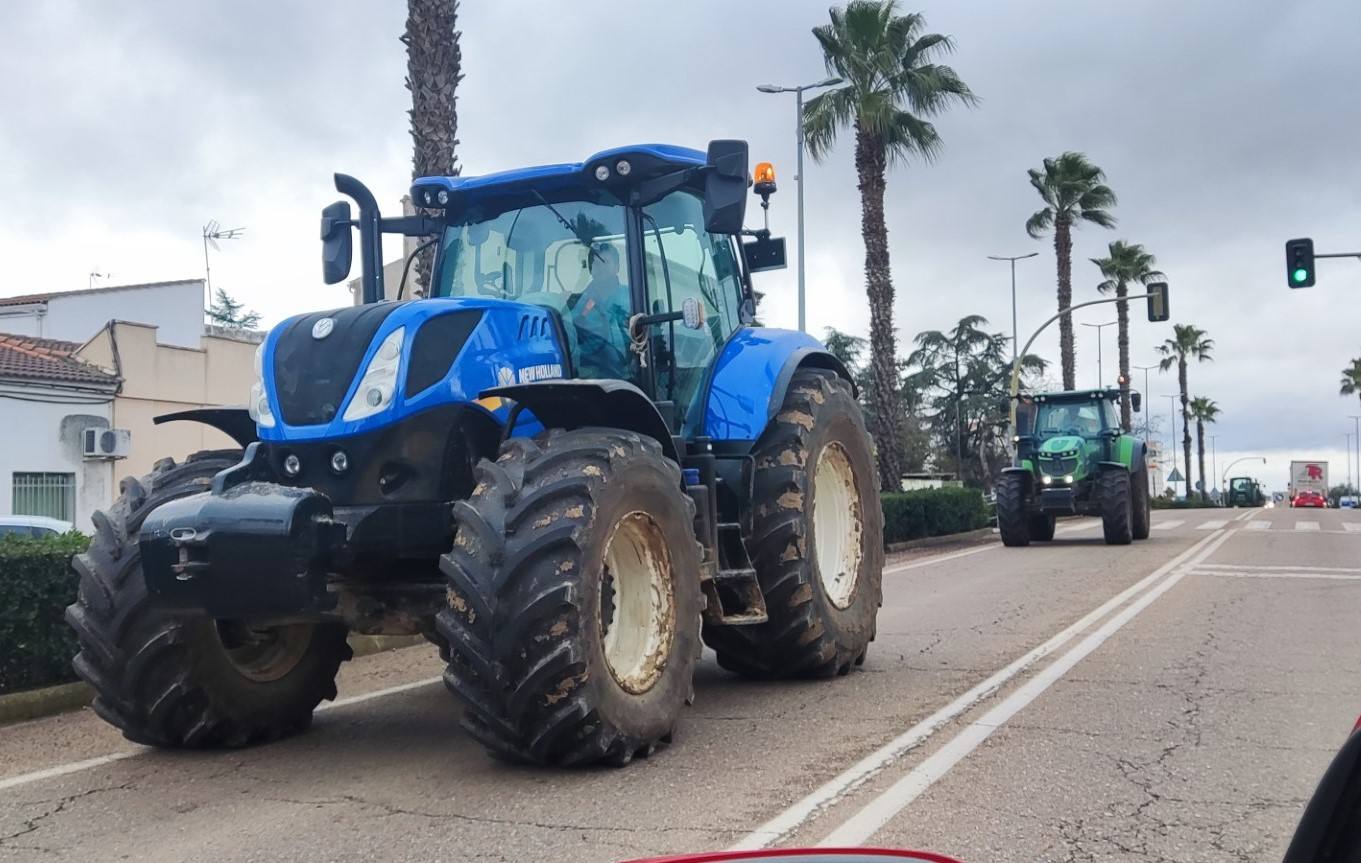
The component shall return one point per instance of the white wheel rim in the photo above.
(837, 525)
(637, 619)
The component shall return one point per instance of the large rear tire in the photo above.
(178, 680)
(1117, 513)
(1013, 520)
(817, 539)
(574, 602)
(1142, 504)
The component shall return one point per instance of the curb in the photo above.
(972, 536)
(51, 700)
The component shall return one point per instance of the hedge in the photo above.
(36, 585)
(932, 512)
(1196, 503)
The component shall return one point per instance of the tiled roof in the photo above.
(42, 298)
(34, 358)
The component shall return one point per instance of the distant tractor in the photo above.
(1245, 491)
(570, 462)
(1073, 458)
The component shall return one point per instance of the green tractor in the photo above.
(1073, 458)
(1245, 491)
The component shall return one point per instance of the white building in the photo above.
(174, 308)
(48, 399)
(1156, 476)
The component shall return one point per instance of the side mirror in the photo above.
(764, 253)
(1136, 401)
(725, 187)
(337, 246)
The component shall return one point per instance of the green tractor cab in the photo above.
(1245, 491)
(1073, 458)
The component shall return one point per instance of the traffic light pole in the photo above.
(1016, 364)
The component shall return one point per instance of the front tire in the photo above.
(574, 603)
(1141, 503)
(187, 681)
(1042, 527)
(1013, 522)
(817, 539)
(1117, 513)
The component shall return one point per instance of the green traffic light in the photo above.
(1301, 274)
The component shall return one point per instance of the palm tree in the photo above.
(892, 85)
(1351, 379)
(1125, 264)
(434, 64)
(1205, 411)
(1187, 342)
(1073, 192)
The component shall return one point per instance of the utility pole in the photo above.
(798, 179)
(1214, 470)
(1357, 419)
(1012, 260)
(1349, 459)
(1172, 409)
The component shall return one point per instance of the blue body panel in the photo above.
(495, 354)
(745, 380)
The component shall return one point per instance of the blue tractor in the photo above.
(571, 462)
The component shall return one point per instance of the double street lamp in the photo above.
(1013, 259)
(798, 177)
(1100, 375)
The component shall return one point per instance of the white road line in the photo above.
(1306, 525)
(1286, 567)
(848, 780)
(90, 763)
(1216, 524)
(1245, 514)
(1259, 525)
(1168, 525)
(938, 558)
(1351, 526)
(1330, 576)
(858, 829)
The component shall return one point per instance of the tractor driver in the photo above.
(600, 314)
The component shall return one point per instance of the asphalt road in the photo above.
(1176, 699)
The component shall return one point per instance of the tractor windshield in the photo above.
(1083, 418)
(565, 255)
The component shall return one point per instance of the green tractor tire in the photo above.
(1142, 504)
(1013, 522)
(1041, 527)
(1113, 488)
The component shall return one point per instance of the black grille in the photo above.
(311, 376)
(1058, 466)
(437, 344)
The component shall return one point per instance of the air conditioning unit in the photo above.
(107, 443)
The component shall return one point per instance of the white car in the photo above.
(33, 525)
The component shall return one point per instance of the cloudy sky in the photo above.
(1225, 128)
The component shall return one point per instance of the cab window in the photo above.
(695, 273)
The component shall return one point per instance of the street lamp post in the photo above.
(1357, 419)
(1100, 375)
(1225, 478)
(1013, 260)
(1349, 459)
(1214, 469)
(798, 177)
(1172, 409)
(1145, 369)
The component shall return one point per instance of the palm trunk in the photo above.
(871, 168)
(1199, 447)
(1063, 252)
(434, 64)
(1185, 422)
(1122, 337)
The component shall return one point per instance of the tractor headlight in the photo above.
(1047, 479)
(258, 407)
(1068, 479)
(379, 383)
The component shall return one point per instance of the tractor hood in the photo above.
(347, 371)
(1061, 444)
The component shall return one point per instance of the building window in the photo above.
(49, 494)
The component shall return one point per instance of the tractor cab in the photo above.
(1062, 424)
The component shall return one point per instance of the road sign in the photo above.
(1175, 476)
